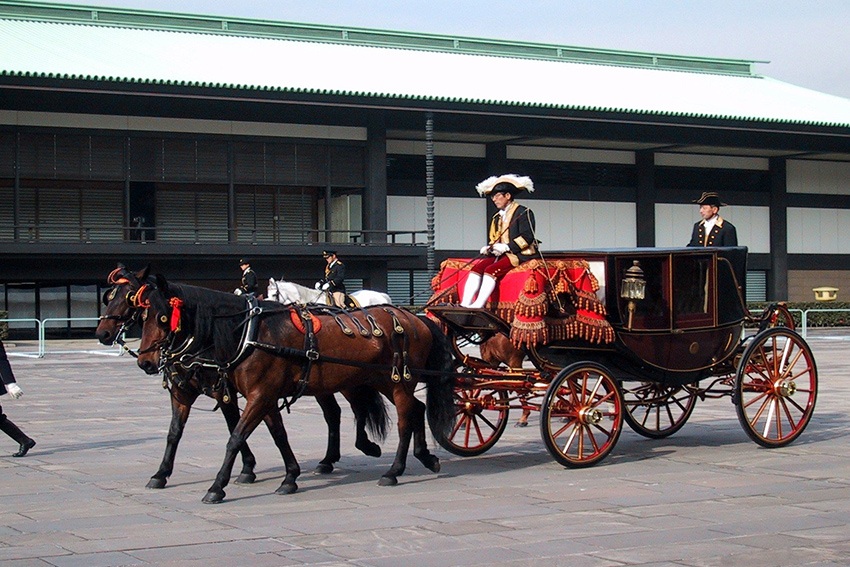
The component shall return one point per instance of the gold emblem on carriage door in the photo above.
(694, 348)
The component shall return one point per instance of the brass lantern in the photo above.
(633, 288)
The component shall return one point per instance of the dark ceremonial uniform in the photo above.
(6, 425)
(722, 234)
(249, 281)
(519, 236)
(335, 276)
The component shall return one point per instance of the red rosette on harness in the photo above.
(176, 303)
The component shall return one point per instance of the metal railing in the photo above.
(805, 317)
(42, 342)
(106, 233)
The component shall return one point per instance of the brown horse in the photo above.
(499, 349)
(185, 386)
(271, 351)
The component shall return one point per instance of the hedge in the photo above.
(817, 319)
(4, 326)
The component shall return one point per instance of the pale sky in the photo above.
(806, 42)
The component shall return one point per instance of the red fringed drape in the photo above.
(526, 294)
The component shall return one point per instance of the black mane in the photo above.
(214, 318)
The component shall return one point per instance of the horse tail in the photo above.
(440, 401)
(371, 403)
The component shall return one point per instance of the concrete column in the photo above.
(645, 199)
(375, 192)
(777, 277)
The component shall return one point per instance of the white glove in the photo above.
(326, 286)
(14, 390)
(317, 285)
(237, 291)
(500, 248)
(484, 251)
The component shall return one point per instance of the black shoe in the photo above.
(521, 424)
(25, 447)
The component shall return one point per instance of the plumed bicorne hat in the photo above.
(509, 183)
(710, 198)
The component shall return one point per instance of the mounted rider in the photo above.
(334, 280)
(248, 285)
(511, 237)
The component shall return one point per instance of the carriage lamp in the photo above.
(633, 288)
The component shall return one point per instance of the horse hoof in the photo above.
(286, 488)
(370, 450)
(388, 481)
(156, 482)
(324, 468)
(435, 465)
(213, 497)
(246, 478)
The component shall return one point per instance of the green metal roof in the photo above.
(131, 46)
(41, 11)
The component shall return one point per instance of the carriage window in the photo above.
(693, 291)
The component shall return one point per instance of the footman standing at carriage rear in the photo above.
(511, 238)
(10, 386)
(334, 280)
(248, 285)
(712, 230)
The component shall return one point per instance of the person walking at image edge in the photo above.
(334, 280)
(511, 238)
(712, 230)
(248, 284)
(11, 387)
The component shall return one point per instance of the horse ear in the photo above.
(162, 284)
(143, 275)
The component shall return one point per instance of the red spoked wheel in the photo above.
(481, 415)
(776, 315)
(582, 415)
(776, 387)
(657, 411)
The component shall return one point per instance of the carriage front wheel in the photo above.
(776, 387)
(581, 416)
(481, 415)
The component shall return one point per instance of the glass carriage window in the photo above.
(693, 291)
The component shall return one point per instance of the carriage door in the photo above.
(694, 291)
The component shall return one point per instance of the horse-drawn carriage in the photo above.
(635, 335)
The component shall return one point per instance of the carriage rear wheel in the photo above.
(582, 415)
(481, 415)
(657, 411)
(776, 387)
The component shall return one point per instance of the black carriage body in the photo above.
(688, 325)
(674, 322)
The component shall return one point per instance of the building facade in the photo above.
(186, 142)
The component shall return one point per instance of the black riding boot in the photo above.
(15, 433)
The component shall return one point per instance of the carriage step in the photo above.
(465, 320)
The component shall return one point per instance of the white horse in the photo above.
(289, 292)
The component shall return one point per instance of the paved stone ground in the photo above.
(707, 496)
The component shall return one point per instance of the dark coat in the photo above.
(249, 281)
(520, 234)
(723, 234)
(6, 374)
(335, 275)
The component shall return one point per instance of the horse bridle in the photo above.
(118, 277)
